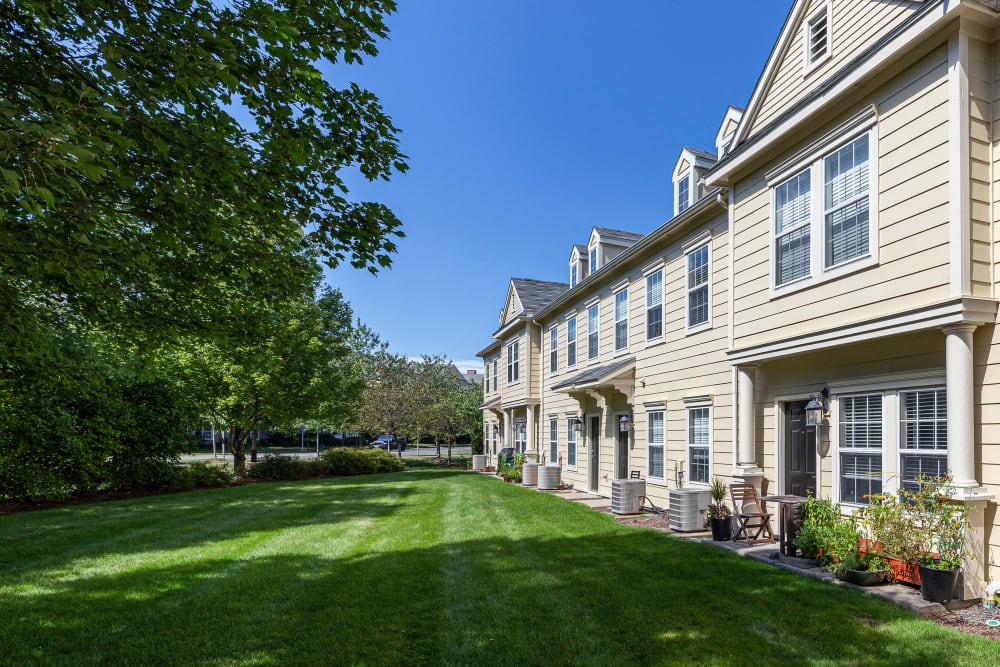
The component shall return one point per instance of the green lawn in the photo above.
(422, 567)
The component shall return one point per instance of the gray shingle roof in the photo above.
(536, 294)
(593, 374)
(605, 231)
(712, 157)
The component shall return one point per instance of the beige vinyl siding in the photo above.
(857, 25)
(513, 306)
(980, 117)
(912, 223)
(995, 175)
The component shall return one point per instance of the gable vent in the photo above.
(819, 37)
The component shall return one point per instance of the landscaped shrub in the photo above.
(359, 461)
(284, 467)
(825, 532)
(201, 474)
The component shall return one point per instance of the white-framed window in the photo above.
(513, 362)
(655, 444)
(698, 444)
(823, 222)
(486, 377)
(654, 305)
(496, 386)
(684, 192)
(593, 259)
(817, 37)
(861, 441)
(621, 320)
(553, 441)
(553, 349)
(573, 276)
(571, 342)
(923, 435)
(520, 436)
(571, 442)
(496, 436)
(593, 323)
(698, 288)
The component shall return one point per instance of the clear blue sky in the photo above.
(527, 123)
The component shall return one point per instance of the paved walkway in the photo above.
(902, 595)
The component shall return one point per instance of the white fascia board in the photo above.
(955, 311)
(930, 21)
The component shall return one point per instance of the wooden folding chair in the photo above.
(750, 515)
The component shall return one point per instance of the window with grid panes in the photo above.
(698, 441)
(860, 447)
(655, 442)
(592, 332)
(513, 362)
(621, 320)
(697, 286)
(553, 441)
(818, 36)
(923, 435)
(654, 305)
(571, 342)
(553, 349)
(683, 193)
(571, 442)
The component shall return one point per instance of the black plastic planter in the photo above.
(722, 529)
(937, 585)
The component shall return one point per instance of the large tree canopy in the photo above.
(131, 191)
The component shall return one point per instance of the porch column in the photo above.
(958, 380)
(746, 466)
(531, 451)
(507, 430)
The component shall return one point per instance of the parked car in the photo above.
(389, 442)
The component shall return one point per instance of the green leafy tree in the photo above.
(391, 399)
(166, 164)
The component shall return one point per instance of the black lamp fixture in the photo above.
(817, 407)
(577, 424)
(624, 422)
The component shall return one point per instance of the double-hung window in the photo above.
(860, 447)
(553, 441)
(592, 332)
(496, 385)
(593, 259)
(486, 375)
(520, 436)
(655, 444)
(822, 214)
(654, 305)
(684, 192)
(513, 362)
(621, 320)
(554, 349)
(699, 422)
(571, 442)
(697, 287)
(571, 342)
(573, 274)
(923, 435)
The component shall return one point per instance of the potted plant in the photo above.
(719, 515)
(864, 568)
(826, 534)
(942, 528)
(890, 527)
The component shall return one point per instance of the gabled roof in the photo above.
(536, 294)
(699, 158)
(605, 231)
(711, 157)
(595, 376)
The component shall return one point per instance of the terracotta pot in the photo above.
(908, 573)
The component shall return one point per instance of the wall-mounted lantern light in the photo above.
(817, 407)
(624, 423)
(577, 424)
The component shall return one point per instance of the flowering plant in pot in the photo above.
(889, 527)
(720, 517)
(942, 526)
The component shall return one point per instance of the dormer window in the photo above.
(573, 275)
(593, 259)
(817, 37)
(683, 193)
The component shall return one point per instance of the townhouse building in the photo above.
(849, 223)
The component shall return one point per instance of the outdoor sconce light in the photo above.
(624, 422)
(817, 407)
(577, 424)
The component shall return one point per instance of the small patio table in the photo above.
(786, 504)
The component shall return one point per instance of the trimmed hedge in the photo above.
(333, 462)
(284, 467)
(199, 475)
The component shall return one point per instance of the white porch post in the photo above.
(958, 379)
(746, 465)
(532, 452)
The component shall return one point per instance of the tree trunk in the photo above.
(450, 440)
(437, 443)
(253, 447)
(237, 445)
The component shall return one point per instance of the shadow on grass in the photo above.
(634, 597)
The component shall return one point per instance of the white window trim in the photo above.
(571, 433)
(649, 342)
(698, 405)
(614, 300)
(890, 403)
(661, 409)
(554, 349)
(707, 324)
(593, 252)
(817, 274)
(514, 368)
(808, 66)
(575, 341)
(554, 438)
(594, 358)
(687, 176)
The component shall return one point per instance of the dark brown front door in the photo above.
(800, 451)
(595, 451)
(621, 456)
